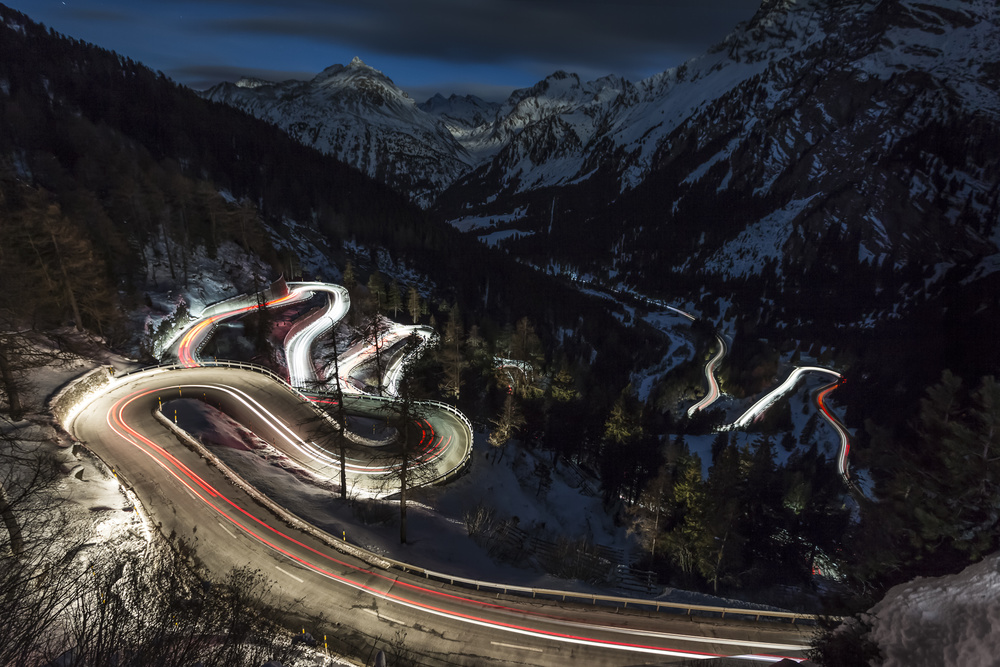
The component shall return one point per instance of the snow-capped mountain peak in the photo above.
(359, 115)
(252, 82)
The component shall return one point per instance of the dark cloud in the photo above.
(100, 15)
(620, 37)
(201, 77)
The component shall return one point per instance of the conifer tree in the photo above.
(414, 304)
(395, 297)
(405, 412)
(376, 290)
(349, 278)
(946, 478)
(451, 355)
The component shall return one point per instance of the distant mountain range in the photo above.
(871, 116)
(828, 172)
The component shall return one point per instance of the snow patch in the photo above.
(950, 620)
(760, 241)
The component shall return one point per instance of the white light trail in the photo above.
(765, 402)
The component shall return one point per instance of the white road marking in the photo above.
(523, 648)
(383, 617)
(301, 581)
(231, 533)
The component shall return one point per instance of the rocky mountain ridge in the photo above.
(357, 114)
(856, 124)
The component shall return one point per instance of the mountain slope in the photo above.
(820, 140)
(855, 121)
(358, 115)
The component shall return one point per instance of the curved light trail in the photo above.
(845, 438)
(431, 448)
(713, 393)
(597, 634)
(299, 342)
(118, 424)
(758, 409)
(192, 340)
(394, 369)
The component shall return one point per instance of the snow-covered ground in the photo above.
(950, 620)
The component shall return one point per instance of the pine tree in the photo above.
(395, 299)
(349, 279)
(688, 541)
(938, 507)
(622, 432)
(339, 414)
(376, 290)
(414, 304)
(451, 355)
(374, 330)
(405, 413)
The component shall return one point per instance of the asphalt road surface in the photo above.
(186, 496)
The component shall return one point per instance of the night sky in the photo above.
(484, 47)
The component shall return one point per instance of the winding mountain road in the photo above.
(713, 393)
(188, 496)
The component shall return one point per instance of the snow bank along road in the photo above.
(186, 495)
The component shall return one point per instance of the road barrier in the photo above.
(594, 598)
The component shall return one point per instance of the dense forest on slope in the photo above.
(128, 156)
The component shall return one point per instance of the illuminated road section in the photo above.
(845, 438)
(118, 423)
(713, 386)
(760, 407)
(187, 350)
(139, 447)
(298, 344)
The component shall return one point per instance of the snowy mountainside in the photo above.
(849, 132)
(460, 113)
(533, 123)
(360, 116)
(856, 125)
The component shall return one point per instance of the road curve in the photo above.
(845, 437)
(446, 434)
(186, 496)
(758, 409)
(299, 341)
(713, 393)
(195, 336)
